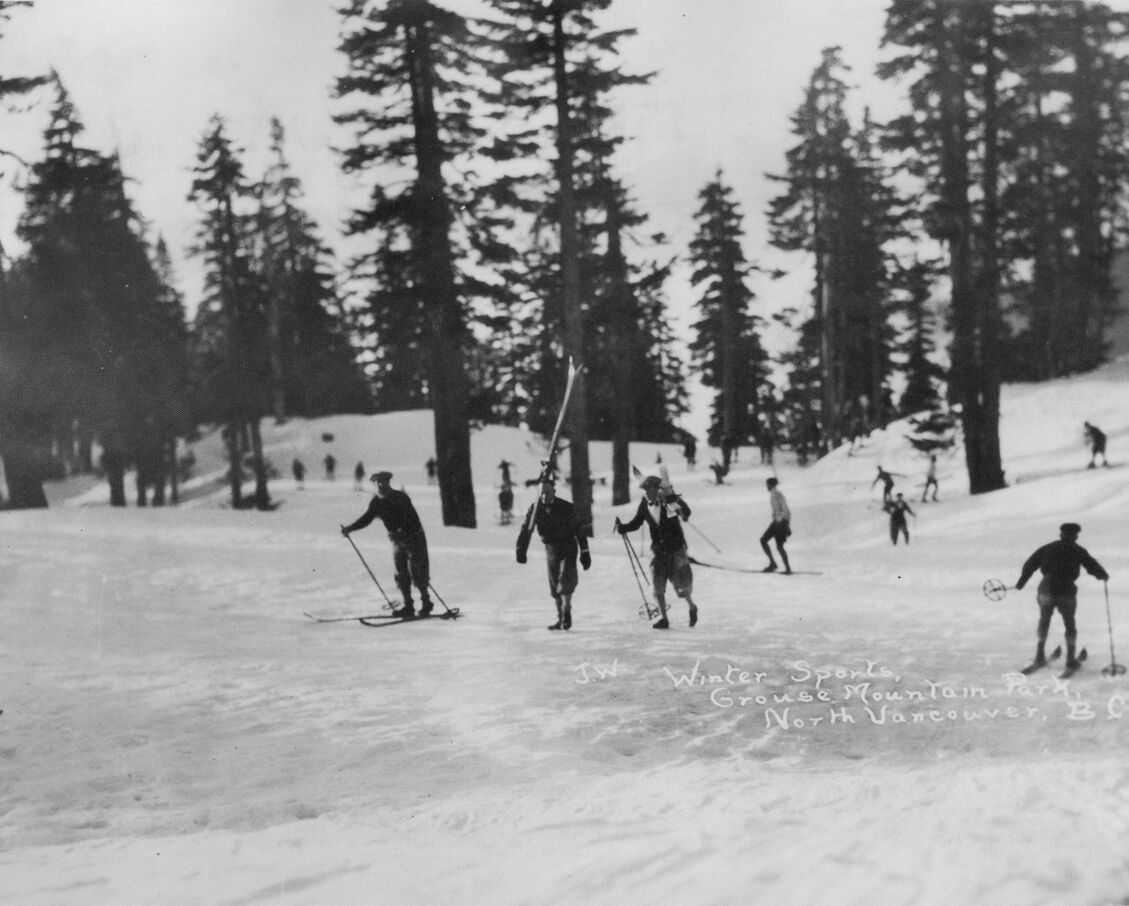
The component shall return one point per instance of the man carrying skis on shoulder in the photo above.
(409, 543)
(558, 524)
(1060, 562)
(663, 511)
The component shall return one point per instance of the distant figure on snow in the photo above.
(690, 451)
(766, 443)
(887, 479)
(779, 529)
(330, 462)
(897, 509)
(931, 478)
(719, 472)
(506, 503)
(359, 477)
(664, 511)
(298, 468)
(409, 543)
(1060, 562)
(559, 527)
(1096, 437)
(505, 466)
(432, 470)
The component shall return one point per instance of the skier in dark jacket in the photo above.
(663, 511)
(897, 508)
(887, 479)
(1096, 437)
(558, 524)
(1060, 562)
(409, 543)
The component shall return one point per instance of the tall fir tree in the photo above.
(726, 340)
(231, 326)
(407, 67)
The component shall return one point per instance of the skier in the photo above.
(330, 466)
(432, 470)
(299, 469)
(767, 444)
(1096, 437)
(897, 509)
(887, 479)
(409, 543)
(1060, 563)
(359, 477)
(663, 511)
(690, 451)
(507, 479)
(558, 525)
(931, 478)
(779, 529)
(506, 503)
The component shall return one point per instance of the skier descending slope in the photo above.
(1060, 563)
(558, 525)
(409, 543)
(663, 512)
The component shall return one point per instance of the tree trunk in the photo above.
(23, 470)
(570, 278)
(262, 494)
(447, 382)
(113, 464)
(235, 461)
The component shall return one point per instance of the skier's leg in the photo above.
(419, 565)
(783, 554)
(1046, 610)
(767, 551)
(560, 613)
(403, 574)
(1067, 606)
(658, 578)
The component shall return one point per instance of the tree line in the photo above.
(502, 241)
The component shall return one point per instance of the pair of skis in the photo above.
(1070, 670)
(387, 619)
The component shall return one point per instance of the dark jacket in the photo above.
(557, 523)
(1061, 562)
(666, 533)
(395, 511)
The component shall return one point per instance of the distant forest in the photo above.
(502, 241)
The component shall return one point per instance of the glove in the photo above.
(521, 557)
(344, 531)
(1019, 586)
(585, 559)
(618, 526)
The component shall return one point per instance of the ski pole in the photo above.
(1114, 668)
(631, 560)
(707, 540)
(367, 569)
(440, 599)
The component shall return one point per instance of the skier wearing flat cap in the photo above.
(1060, 562)
(409, 543)
(663, 511)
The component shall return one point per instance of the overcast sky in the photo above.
(146, 75)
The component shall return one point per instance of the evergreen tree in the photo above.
(559, 64)
(838, 207)
(726, 340)
(231, 323)
(407, 64)
(950, 51)
(917, 343)
(313, 367)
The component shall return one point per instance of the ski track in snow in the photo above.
(174, 729)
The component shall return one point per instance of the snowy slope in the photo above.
(175, 731)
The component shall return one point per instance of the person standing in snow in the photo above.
(897, 509)
(779, 529)
(931, 479)
(1060, 562)
(409, 542)
(330, 463)
(506, 503)
(559, 527)
(299, 469)
(664, 511)
(887, 479)
(359, 477)
(1096, 437)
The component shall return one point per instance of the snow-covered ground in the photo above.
(174, 730)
